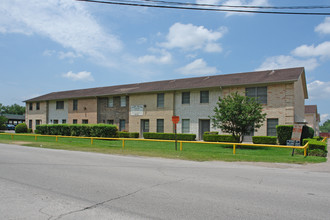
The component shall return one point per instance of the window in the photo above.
(75, 105)
(160, 125)
(122, 124)
(259, 93)
(110, 102)
(30, 123)
(185, 125)
(38, 105)
(186, 98)
(110, 122)
(85, 121)
(55, 121)
(59, 104)
(204, 97)
(122, 101)
(271, 126)
(160, 100)
(38, 122)
(74, 121)
(63, 121)
(30, 106)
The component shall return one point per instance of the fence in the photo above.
(305, 147)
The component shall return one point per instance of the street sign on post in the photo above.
(175, 120)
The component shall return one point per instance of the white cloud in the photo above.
(324, 28)
(164, 58)
(66, 22)
(324, 117)
(278, 62)
(190, 37)
(69, 55)
(235, 3)
(322, 49)
(319, 90)
(197, 68)
(81, 76)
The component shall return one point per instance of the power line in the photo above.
(138, 4)
(240, 6)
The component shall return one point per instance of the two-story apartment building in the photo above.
(143, 107)
(312, 118)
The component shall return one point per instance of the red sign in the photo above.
(175, 119)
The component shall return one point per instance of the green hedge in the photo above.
(90, 130)
(169, 136)
(284, 133)
(264, 140)
(219, 138)
(211, 132)
(122, 134)
(314, 144)
(21, 128)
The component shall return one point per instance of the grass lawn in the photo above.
(191, 151)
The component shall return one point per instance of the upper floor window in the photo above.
(30, 106)
(75, 105)
(204, 97)
(59, 104)
(110, 102)
(38, 105)
(122, 101)
(186, 98)
(259, 93)
(160, 100)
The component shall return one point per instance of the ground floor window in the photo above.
(63, 121)
(160, 125)
(185, 125)
(85, 121)
(110, 122)
(74, 121)
(30, 123)
(55, 121)
(38, 122)
(122, 124)
(271, 126)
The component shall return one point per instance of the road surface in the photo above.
(37, 183)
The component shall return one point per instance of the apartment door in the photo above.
(144, 126)
(204, 125)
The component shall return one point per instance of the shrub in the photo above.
(219, 138)
(123, 134)
(264, 139)
(284, 133)
(169, 136)
(102, 130)
(307, 132)
(314, 144)
(97, 130)
(211, 132)
(29, 130)
(21, 128)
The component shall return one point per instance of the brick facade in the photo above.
(86, 110)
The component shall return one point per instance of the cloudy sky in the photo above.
(55, 45)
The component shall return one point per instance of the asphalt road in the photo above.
(38, 183)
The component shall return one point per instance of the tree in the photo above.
(3, 121)
(326, 126)
(238, 115)
(12, 109)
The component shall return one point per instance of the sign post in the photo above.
(175, 120)
(295, 138)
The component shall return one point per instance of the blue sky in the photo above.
(55, 45)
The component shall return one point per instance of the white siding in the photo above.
(57, 114)
(196, 110)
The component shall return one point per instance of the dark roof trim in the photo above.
(227, 80)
